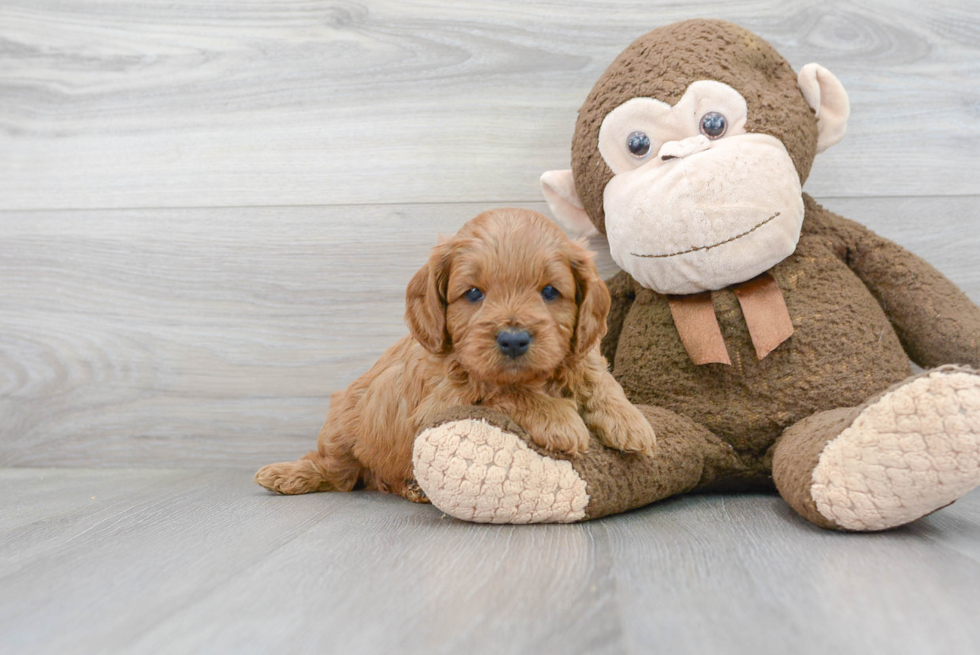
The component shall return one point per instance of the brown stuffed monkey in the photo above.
(766, 339)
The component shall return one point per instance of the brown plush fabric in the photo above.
(663, 63)
(935, 321)
(618, 481)
(798, 451)
(843, 350)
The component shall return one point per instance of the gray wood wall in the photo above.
(209, 209)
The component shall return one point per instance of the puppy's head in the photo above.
(510, 295)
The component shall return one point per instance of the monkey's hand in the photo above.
(936, 322)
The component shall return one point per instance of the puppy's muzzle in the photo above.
(513, 343)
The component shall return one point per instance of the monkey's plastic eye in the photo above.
(549, 293)
(473, 295)
(713, 125)
(638, 144)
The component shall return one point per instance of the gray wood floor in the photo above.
(208, 214)
(192, 561)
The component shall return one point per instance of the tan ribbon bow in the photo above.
(763, 307)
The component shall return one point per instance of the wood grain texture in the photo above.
(205, 561)
(243, 103)
(195, 336)
(215, 337)
(761, 579)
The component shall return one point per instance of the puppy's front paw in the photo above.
(625, 429)
(570, 436)
(557, 427)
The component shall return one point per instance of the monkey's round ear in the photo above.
(828, 99)
(559, 192)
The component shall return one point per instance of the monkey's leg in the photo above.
(477, 465)
(901, 455)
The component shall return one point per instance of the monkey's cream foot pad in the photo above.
(475, 471)
(910, 452)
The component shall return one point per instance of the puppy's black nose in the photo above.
(513, 343)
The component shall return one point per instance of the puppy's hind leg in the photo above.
(332, 470)
(299, 477)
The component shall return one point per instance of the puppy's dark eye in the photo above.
(474, 295)
(549, 293)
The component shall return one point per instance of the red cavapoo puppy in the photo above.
(508, 313)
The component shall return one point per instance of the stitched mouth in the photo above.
(714, 245)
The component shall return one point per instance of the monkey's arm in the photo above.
(621, 290)
(935, 321)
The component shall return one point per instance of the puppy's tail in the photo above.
(312, 473)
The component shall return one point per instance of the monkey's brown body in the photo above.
(843, 351)
(831, 416)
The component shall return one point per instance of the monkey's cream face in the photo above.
(697, 203)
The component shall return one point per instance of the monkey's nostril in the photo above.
(513, 343)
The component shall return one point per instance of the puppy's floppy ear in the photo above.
(592, 297)
(425, 301)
